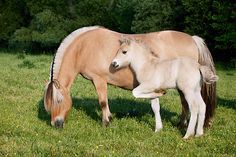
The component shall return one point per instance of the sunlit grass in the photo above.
(25, 126)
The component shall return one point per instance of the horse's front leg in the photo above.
(101, 88)
(156, 109)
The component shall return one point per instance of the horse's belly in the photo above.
(123, 78)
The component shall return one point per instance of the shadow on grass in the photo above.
(120, 108)
(231, 104)
(42, 113)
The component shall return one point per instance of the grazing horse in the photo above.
(89, 51)
(153, 75)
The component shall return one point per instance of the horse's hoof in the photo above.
(182, 124)
(105, 123)
(208, 123)
(110, 118)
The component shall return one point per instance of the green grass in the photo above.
(25, 126)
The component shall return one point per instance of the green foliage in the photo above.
(198, 17)
(25, 125)
(42, 24)
(46, 29)
(153, 16)
(224, 25)
(122, 13)
(10, 18)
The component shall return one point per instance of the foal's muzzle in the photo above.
(114, 64)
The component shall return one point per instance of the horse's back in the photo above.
(172, 44)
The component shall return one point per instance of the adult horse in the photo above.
(89, 51)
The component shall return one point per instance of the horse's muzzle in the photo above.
(59, 123)
(114, 64)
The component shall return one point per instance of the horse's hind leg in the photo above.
(101, 88)
(201, 115)
(193, 107)
(185, 111)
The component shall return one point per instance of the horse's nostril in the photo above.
(59, 123)
(114, 64)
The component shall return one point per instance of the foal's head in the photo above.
(128, 48)
(57, 101)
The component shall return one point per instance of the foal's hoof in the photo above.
(198, 135)
(157, 130)
(187, 136)
(160, 92)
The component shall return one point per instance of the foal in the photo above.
(155, 75)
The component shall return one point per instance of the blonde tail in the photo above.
(207, 75)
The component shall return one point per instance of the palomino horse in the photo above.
(182, 73)
(89, 51)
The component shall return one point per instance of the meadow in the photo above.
(25, 126)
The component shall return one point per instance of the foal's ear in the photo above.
(125, 39)
(139, 41)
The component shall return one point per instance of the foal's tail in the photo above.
(207, 75)
(208, 90)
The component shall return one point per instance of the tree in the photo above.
(224, 26)
(12, 14)
(153, 15)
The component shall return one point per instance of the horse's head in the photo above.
(57, 101)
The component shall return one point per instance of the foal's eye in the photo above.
(124, 52)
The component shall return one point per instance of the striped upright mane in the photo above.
(57, 60)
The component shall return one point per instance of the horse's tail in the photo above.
(52, 95)
(207, 75)
(208, 90)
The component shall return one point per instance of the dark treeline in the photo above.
(40, 25)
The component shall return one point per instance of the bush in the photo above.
(46, 30)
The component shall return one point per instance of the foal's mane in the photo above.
(58, 57)
(128, 40)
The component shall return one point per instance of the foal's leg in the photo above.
(193, 107)
(101, 88)
(156, 109)
(146, 90)
(185, 111)
(201, 114)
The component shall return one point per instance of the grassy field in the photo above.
(25, 126)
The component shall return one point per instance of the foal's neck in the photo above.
(141, 62)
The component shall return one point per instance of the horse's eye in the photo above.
(124, 52)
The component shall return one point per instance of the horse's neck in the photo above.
(66, 71)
